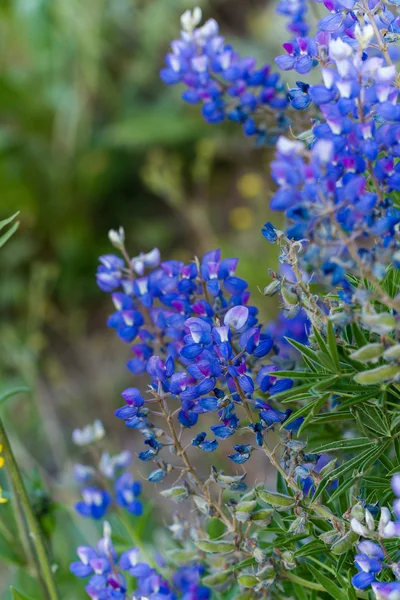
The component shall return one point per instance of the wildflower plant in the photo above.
(313, 394)
(316, 391)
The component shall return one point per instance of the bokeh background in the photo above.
(91, 139)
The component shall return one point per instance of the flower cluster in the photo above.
(111, 576)
(228, 86)
(201, 344)
(107, 483)
(372, 557)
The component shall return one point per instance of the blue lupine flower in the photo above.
(296, 11)
(242, 454)
(300, 56)
(94, 503)
(227, 85)
(369, 562)
(127, 493)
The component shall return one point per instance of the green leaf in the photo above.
(333, 347)
(320, 341)
(326, 582)
(333, 417)
(16, 595)
(346, 444)
(6, 236)
(359, 335)
(360, 399)
(299, 374)
(12, 392)
(315, 409)
(374, 418)
(324, 384)
(346, 466)
(307, 352)
(5, 222)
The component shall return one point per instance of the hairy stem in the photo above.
(180, 451)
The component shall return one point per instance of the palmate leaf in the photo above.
(374, 419)
(349, 465)
(310, 354)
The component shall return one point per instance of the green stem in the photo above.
(32, 526)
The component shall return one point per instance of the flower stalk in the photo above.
(28, 518)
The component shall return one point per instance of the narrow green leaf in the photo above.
(359, 335)
(12, 392)
(320, 341)
(332, 344)
(6, 236)
(333, 417)
(5, 222)
(345, 485)
(299, 374)
(324, 384)
(16, 595)
(346, 444)
(326, 582)
(346, 466)
(306, 351)
(374, 418)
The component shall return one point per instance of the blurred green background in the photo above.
(91, 139)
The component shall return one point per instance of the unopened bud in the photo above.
(359, 528)
(379, 323)
(367, 353)
(117, 238)
(369, 519)
(272, 288)
(378, 375)
(392, 353)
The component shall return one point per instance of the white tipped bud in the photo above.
(190, 19)
(117, 238)
(364, 35)
(359, 528)
(384, 519)
(369, 519)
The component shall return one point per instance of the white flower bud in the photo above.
(359, 528)
(369, 519)
(364, 35)
(339, 50)
(384, 519)
(190, 20)
(117, 238)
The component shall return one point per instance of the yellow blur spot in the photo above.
(1, 461)
(241, 218)
(2, 500)
(250, 185)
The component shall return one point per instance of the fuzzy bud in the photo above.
(117, 238)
